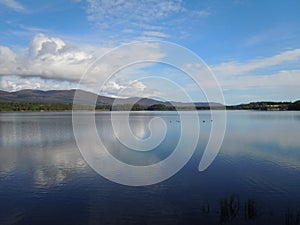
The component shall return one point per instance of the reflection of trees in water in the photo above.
(250, 209)
(232, 210)
(229, 209)
(292, 218)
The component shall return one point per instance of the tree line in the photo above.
(11, 106)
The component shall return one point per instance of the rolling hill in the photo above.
(66, 96)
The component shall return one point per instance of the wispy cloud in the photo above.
(22, 31)
(143, 18)
(271, 78)
(119, 12)
(200, 13)
(240, 68)
(277, 34)
(33, 29)
(155, 34)
(14, 5)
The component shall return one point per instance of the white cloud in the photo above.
(124, 88)
(155, 34)
(52, 63)
(7, 59)
(284, 79)
(46, 57)
(116, 12)
(16, 83)
(279, 34)
(143, 18)
(55, 60)
(42, 45)
(13, 5)
(201, 13)
(272, 78)
(237, 68)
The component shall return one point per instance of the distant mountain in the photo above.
(54, 96)
(62, 99)
(28, 95)
(66, 96)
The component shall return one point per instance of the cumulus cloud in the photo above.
(46, 57)
(16, 83)
(53, 58)
(123, 88)
(52, 63)
(7, 59)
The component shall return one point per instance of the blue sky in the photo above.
(251, 46)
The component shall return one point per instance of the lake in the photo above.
(255, 179)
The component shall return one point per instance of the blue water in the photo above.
(254, 179)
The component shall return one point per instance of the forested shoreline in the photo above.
(18, 106)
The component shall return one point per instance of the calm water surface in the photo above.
(255, 179)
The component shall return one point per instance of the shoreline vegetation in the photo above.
(62, 100)
(18, 106)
